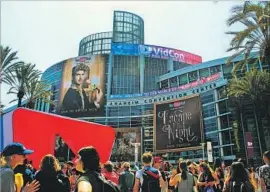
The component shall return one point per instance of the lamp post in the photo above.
(137, 145)
(202, 144)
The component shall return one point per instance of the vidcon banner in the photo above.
(178, 125)
(155, 52)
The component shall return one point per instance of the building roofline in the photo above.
(202, 65)
(128, 12)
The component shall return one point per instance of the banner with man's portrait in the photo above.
(82, 87)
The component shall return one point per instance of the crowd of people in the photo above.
(88, 174)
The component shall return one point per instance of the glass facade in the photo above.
(128, 28)
(125, 75)
(52, 76)
(153, 68)
(179, 65)
(128, 74)
(98, 43)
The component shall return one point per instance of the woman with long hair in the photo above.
(220, 176)
(238, 176)
(206, 180)
(48, 176)
(184, 180)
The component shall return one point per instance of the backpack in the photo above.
(98, 182)
(242, 187)
(128, 186)
(150, 182)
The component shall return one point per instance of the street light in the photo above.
(137, 145)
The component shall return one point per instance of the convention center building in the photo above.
(122, 79)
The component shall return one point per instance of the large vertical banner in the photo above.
(209, 152)
(178, 125)
(124, 145)
(82, 87)
(249, 145)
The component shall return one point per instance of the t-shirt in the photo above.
(112, 176)
(139, 174)
(264, 173)
(7, 181)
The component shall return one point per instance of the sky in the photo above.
(46, 32)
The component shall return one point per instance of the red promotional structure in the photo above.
(37, 131)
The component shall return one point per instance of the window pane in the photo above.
(183, 79)
(173, 82)
(204, 73)
(193, 76)
(214, 69)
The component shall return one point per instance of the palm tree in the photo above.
(255, 37)
(238, 103)
(37, 89)
(9, 60)
(19, 78)
(254, 85)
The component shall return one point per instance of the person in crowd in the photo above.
(64, 169)
(148, 179)
(23, 169)
(264, 173)
(109, 173)
(13, 155)
(252, 177)
(220, 175)
(70, 166)
(237, 176)
(88, 163)
(73, 179)
(126, 179)
(217, 164)
(206, 180)
(158, 163)
(133, 168)
(49, 177)
(244, 162)
(184, 180)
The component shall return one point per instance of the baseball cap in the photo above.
(158, 160)
(15, 148)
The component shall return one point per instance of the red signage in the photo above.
(37, 131)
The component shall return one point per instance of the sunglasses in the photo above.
(22, 155)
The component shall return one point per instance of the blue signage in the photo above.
(124, 49)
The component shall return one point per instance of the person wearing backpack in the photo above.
(126, 179)
(91, 180)
(238, 180)
(264, 173)
(148, 179)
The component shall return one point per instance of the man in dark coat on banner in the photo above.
(76, 102)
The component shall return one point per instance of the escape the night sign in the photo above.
(178, 125)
